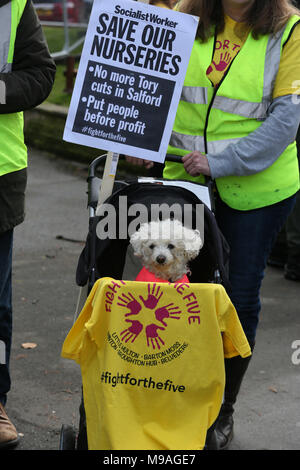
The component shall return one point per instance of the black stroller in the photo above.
(111, 257)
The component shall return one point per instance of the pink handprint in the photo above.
(153, 336)
(167, 312)
(153, 296)
(130, 302)
(224, 61)
(132, 332)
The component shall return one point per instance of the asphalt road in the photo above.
(46, 388)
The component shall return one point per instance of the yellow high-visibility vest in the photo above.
(13, 151)
(209, 119)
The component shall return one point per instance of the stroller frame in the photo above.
(68, 438)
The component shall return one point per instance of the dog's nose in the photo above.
(161, 259)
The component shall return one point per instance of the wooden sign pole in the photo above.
(109, 173)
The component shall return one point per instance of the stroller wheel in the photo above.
(67, 438)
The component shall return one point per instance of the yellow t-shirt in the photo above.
(159, 4)
(231, 40)
(152, 362)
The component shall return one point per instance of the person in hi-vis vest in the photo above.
(236, 122)
(26, 78)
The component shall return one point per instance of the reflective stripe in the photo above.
(5, 32)
(217, 146)
(194, 94)
(2, 92)
(196, 142)
(272, 61)
(187, 142)
(241, 108)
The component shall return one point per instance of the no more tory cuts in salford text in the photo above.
(145, 94)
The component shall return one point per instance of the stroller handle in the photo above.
(95, 164)
(93, 184)
(101, 159)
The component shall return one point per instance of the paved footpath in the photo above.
(46, 388)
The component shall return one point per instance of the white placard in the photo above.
(130, 78)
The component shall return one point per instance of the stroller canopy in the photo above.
(106, 257)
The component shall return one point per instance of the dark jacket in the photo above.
(27, 85)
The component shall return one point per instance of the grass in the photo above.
(56, 41)
(58, 94)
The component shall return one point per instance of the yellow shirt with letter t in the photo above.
(152, 362)
(229, 43)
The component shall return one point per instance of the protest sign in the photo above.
(130, 78)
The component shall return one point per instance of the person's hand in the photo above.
(196, 163)
(139, 161)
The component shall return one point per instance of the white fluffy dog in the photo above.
(165, 248)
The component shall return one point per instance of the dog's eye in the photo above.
(170, 246)
(151, 246)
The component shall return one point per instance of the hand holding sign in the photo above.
(138, 161)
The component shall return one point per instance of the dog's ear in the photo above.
(138, 238)
(193, 243)
(136, 243)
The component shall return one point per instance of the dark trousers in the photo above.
(250, 235)
(6, 245)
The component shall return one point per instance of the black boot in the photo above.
(235, 369)
(211, 442)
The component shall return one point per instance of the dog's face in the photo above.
(165, 247)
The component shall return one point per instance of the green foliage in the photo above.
(55, 37)
(56, 42)
(58, 94)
